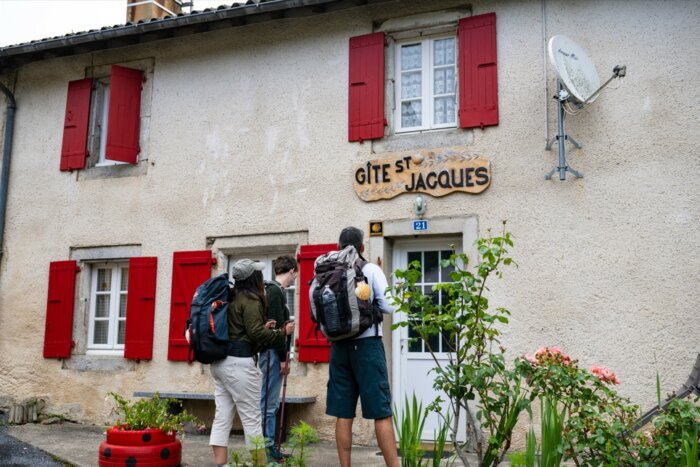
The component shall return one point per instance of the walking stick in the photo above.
(267, 393)
(284, 396)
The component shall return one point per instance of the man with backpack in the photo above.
(272, 361)
(357, 363)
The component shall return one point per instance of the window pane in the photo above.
(411, 57)
(411, 84)
(431, 267)
(411, 114)
(125, 280)
(444, 110)
(101, 332)
(444, 51)
(104, 280)
(121, 332)
(290, 301)
(122, 305)
(444, 81)
(102, 306)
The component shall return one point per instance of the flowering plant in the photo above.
(155, 413)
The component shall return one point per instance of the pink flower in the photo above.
(605, 374)
(531, 359)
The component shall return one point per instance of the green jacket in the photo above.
(278, 310)
(246, 322)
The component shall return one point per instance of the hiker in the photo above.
(358, 369)
(272, 359)
(237, 379)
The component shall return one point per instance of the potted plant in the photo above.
(145, 433)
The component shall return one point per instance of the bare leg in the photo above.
(384, 430)
(220, 454)
(343, 440)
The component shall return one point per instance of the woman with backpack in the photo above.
(237, 379)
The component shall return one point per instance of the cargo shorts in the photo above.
(358, 369)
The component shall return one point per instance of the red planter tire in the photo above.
(147, 448)
(139, 437)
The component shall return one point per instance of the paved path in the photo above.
(15, 453)
(77, 445)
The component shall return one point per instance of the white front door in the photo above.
(412, 359)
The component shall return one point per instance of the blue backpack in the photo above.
(208, 323)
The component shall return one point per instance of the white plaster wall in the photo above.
(248, 135)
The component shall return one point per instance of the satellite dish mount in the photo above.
(577, 85)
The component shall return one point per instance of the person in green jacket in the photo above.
(272, 360)
(237, 379)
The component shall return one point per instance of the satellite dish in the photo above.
(574, 69)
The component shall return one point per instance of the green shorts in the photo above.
(358, 369)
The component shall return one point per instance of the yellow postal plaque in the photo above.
(437, 173)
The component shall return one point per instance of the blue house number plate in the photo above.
(420, 226)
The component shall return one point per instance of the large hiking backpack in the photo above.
(335, 308)
(208, 323)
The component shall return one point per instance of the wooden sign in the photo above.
(437, 173)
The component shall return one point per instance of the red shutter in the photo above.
(478, 81)
(190, 270)
(366, 93)
(312, 346)
(59, 309)
(124, 115)
(75, 125)
(140, 308)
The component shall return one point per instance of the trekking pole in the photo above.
(284, 396)
(267, 392)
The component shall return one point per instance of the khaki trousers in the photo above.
(237, 384)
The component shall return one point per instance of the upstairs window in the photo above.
(427, 84)
(97, 141)
(108, 296)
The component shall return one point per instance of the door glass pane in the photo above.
(445, 272)
(411, 57)
(415, 344)
(104, 280)
(411, 114)
(415, 256)
(431, 266)
(101, 332)
(102, 306)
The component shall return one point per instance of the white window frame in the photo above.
(112, 347)
(268, 274)
(427, 96)
(99, 109)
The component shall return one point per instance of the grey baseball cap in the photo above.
(242, 269)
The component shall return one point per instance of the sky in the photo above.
(26, 20)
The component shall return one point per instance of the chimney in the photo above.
(137, 10)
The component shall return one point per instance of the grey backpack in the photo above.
(335, 308)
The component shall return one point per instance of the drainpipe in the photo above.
(6, 150)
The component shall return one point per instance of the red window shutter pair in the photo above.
(190, 270)
(140, 309)
(311, 345)
(478, 83)
(123, 119)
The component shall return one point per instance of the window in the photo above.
(428, 71)
(108, 296)
(102, 125)
(426, 87)
(97, 139)
(269, 274)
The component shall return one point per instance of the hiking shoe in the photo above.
(275, 455)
